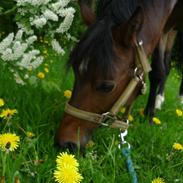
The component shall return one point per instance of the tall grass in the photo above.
(40, 110)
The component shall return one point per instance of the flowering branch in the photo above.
(49, 17)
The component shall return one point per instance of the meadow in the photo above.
(40, 108)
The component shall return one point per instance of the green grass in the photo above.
(40, 110)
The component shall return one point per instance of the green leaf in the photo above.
(33, 81)
(1, 9)
(49, 86)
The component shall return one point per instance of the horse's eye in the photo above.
(105, 86)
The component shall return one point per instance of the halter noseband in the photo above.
(110, 118)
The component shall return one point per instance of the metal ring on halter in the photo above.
(107, 119)
(137, 75)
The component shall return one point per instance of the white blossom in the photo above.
(31, 2)
(7, 54)
(25, 29)
(60, 5)
(56, 46)
(25, 62)
(6, 42)
(69, 37)
(56, 6)
(26, 76)
(16, 45)
(31, 40)
(66, 24)
(39, 2)
(18, 79)
(19, 34)
(18, 50)
(21, 11)
(50, 15)
(37, 62)
(27, 58)
(39, 22)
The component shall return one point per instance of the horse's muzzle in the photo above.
(72, 134)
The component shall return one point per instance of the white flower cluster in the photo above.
(56, 46)
(50, 17)
(25, 29)
(60, 4)
(32, 2)
(54, 15)
(39, 22)
(67, 22)
(15, 50)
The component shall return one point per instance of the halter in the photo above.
(110, 119)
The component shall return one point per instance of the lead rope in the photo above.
(126, 151)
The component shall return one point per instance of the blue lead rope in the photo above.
(126, 151)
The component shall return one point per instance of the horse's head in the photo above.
(104, 62)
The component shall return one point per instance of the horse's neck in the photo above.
(156, 17)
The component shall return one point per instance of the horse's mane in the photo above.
(96, 45)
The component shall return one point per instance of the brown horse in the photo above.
(105, 62)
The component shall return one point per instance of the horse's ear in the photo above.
(86, 12)
(128, 31)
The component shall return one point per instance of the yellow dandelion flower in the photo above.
(46, 65)
(141, 112)
(7, 113)
(177, 146)
(41, 75)
(67, 174)
(67, 159)
(67, 169)
(67, 94)
(30, 134)
(1, 102)
(158, 180)
(123, 109)
(46, 70)
(179, 112)
(130, 118)
(156, 121)
(9, 141)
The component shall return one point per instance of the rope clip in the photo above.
(122, 136)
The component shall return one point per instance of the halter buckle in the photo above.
(138, 74)
(107, 119)
(140, 77)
